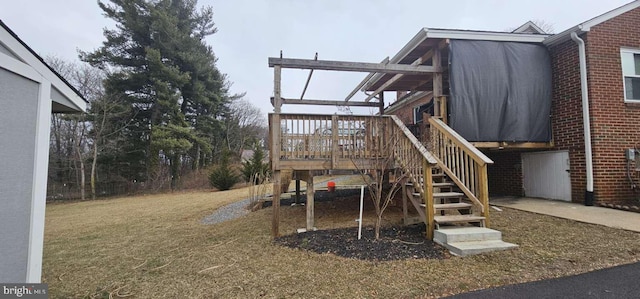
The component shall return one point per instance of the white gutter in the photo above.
(588, 200)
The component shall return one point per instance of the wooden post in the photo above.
(443, 109)
(483, 191)
(381, 103)
(405, 211)
(334, 141)
(310, 202)
(437, 83)
(275, 223)
(274, 141)
(277, 99)
(297, 201)
(428, 198)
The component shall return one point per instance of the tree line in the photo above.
(159, 108)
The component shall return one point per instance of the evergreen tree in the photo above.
(223, 177)
(255, 168)
(160, 64)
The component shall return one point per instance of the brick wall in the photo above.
(405, 114)
(505, 174)
(615, 125)
(566, 112)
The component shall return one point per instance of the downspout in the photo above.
(588, 196)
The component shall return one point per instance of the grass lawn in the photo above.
(156, 247)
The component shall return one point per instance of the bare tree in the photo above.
(376, 174)
(72, 130)
(244, 123)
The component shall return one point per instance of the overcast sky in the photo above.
(250, 31)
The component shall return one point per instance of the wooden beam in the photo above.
(308, 80)
(437, 77)
(397, 77)
(428, 198)
(441, 46)
(277, 102)
(348, 66)
(405, 210)
(275, 205)
(364, 82)
(513, 145)
(326, 102)
(274, 140)
(297, 201)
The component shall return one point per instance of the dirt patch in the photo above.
(396, 243)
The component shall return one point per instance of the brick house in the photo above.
(563, 166)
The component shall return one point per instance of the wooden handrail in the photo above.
(465, 165)
(417, 163)
(476, 154)
(419, 146)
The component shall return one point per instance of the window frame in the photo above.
(632, 51)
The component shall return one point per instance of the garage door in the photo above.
(546, 175)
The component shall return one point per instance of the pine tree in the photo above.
(223, 177)
(255, 168)
(161, 65)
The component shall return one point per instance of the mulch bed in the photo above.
(396, 243)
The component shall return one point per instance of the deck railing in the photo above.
(336, 138)
(463, 163)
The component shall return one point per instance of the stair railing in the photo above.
(465, 165)
(417, 163)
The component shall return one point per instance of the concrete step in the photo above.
(466, 234)
(458, 219)
(477, 247)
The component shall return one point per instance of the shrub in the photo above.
(255, 167)
(223, 177)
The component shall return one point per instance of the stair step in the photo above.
(465, 234)
(458, 218)
(448, 195)
(440, 185)
(449, 206)
(477, 247)
(437, 185)
(452, 206)
(443, 195)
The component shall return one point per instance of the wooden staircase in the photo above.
(450, 207)
(448, 190)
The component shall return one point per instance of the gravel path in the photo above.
(238, 209)
(228, 212)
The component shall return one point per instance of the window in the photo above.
(428, 108)
(631, 72)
